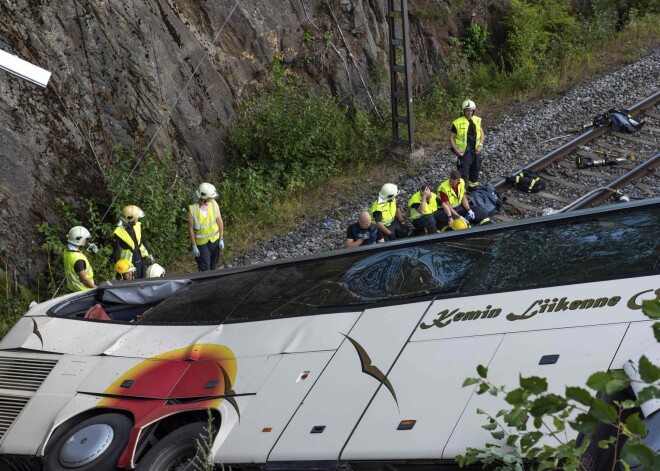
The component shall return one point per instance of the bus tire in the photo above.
(177, 450)
(93, 445)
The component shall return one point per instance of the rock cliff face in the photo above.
(168, 74)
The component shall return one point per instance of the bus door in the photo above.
(324, 421)
(428, 378)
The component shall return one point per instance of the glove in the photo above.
(222, 244)
(195, 251)
(93, 248)
(470, 215)
(466, 221)
(152, 259)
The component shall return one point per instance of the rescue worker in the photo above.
(363, 232)
(124, 270)
(129, 243)
(386, 215)
(155, 271)
(77, 269)
(206, 228)
(424, 211)
(467, 142)
(454, 203)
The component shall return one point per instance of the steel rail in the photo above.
(581, 140)
(623, 180)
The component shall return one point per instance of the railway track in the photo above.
(570, 187)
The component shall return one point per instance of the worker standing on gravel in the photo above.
(386, 215)
(363, 232)
(206, 228)
(467, 142)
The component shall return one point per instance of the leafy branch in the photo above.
(536, 429)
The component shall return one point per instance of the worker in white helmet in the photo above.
(206, 228)
(387, 215)
(467, 142)
(77, 269)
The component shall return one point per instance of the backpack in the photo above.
(527, 181)
(620, 120)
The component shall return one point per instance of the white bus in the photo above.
(348, 360)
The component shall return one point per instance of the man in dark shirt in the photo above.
(363, 232)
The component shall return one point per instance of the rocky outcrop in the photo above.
(167, 75)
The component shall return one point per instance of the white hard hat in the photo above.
(468, 104)
(131, 213)
(388, 191)
(155, 271)
(78, 235)
(206, 190)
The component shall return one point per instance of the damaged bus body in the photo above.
(353, 359)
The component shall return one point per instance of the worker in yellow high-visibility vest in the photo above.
(78, 271)
(206, 228)
(467, 142)
(129, 243)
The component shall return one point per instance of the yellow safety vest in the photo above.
(72, 278)
(454, 198)
(206, 228)
(125, 236)
(462, 124)
(388, 210)
(431, 205)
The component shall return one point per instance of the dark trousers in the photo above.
(140, 269)
(430, 223)
(469, 165)
(397, 231)
(209, 256)
(479, 214)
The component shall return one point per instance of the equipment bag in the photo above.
(487, 198)
(620, 120)
(527, 181)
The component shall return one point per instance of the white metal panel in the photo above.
(538, 309)
(249, 371)
(30, 72)
(272, 407)
(342, 393)
(59, 388)
(429, 378)
(296, 334)
(60, 335)
(582, 351)
(639, 338)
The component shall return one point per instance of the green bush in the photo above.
(539, 35)
(154, 186)
(160, 191)
(532, 431)
(475, 42)
(286, 140)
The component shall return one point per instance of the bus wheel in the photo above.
(93, 445)
(177, 451)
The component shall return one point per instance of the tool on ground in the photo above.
(608, 158)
